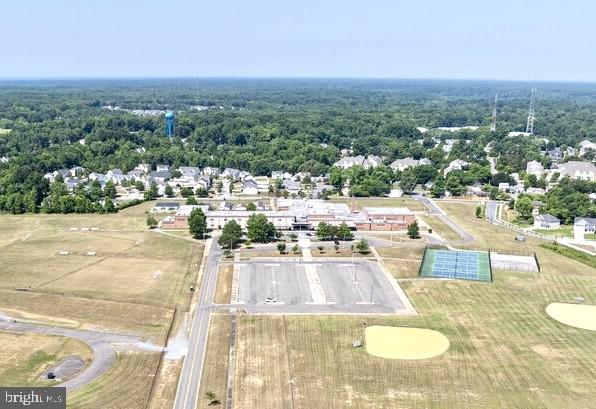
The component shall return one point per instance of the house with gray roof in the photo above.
(578, 170)
(583, 226)
(546, 222)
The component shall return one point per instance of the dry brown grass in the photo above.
(505, 352)
(441, 228)
(148, 321)
(24, 358)
(215, 370)
(126, 385)
(382, 202)
(224, 284)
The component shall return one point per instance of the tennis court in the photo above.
(459, 264)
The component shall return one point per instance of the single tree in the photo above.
(524, 207)
(109, 206)
(281, 247)
(190, 200)
(251, 207)
(197, 223)
(140, 186)
(413, 230)
(231, 234)
(478, 212)
(407, 182)
(293, 236)
(344, 232)
(169, 191)
(259, 229)
(186, 192)
(109, 190)
(362, 247)
(296, 249)
(202, 192)
(151, 222)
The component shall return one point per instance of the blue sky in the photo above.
(505, 39)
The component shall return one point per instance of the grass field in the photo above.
(132, 285)
(382, 202)
(126, 385)
(24, 358)
(224, 284)
(441, 228)
(215, 372)
(505, 352)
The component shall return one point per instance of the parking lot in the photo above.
(289, 287)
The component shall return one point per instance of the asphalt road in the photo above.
(104, 347)
(192, 367)
(491, 210)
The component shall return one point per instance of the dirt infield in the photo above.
(575, 315)
(404, 343)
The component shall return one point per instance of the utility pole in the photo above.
(531, 116)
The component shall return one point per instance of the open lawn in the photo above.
(132, 284)
(382, 202)
(441, 228)
(505, 352)
(25, 358)
(224, 284)
(126, 385)
(215, 370)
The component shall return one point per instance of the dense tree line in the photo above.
(266, 125)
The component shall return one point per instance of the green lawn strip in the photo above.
(571, 253)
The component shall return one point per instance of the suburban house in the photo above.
(546, 222)
(534, 168)
(582, 226)
(370, 161)
(403, 164)
(292, 186)
(457, 164)
(210, 171)
(165, 207)
(162, 168)
(578, 170)
(586, 145)
(231, 173)
(250, 187)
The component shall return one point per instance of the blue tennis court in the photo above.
(466, 265)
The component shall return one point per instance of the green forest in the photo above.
(267, 125)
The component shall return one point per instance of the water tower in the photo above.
(170, 124)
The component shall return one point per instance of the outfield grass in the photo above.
(24, 358)
(505, 352)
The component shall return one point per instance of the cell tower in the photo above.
(170, 117)
(531, 116)
(493, 125)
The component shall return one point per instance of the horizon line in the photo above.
(232, 77)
